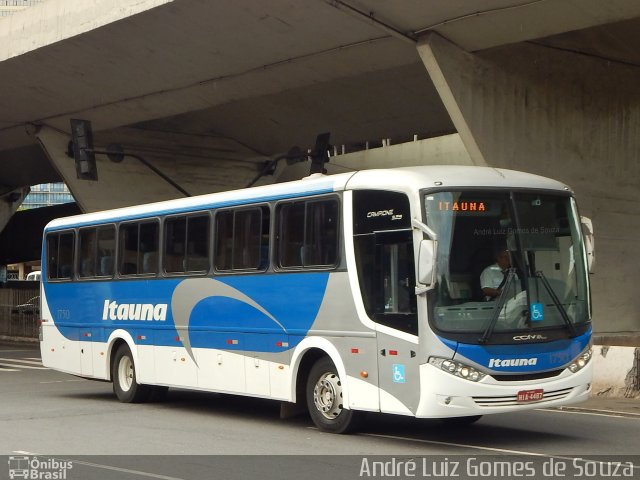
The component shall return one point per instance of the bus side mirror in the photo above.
(589, 242)
(426, 262)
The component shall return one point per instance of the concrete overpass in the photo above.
(208, 90)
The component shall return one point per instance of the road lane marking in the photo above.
(451, 444)
(595, 413)
(123, 470)
(599, 410)
(101, 466)
(28, 367)
(64, 381)
(21, 360)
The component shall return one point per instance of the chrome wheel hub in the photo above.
(125, 373)
(327, 395)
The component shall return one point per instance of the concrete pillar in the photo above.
(571, 117)
(21, 273)
(444, 150)
(9, 203)
(447, 89)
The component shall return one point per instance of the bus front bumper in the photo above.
(445, 395)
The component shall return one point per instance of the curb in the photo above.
(616, 371)
(19, 340)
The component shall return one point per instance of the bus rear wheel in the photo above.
(125, 385)
(325, 399)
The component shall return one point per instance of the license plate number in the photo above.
(530, 395)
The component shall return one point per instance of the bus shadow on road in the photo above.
(509, 432)
(205, 403)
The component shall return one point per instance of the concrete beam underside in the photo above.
(206, 165)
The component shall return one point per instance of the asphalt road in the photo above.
(54, 417)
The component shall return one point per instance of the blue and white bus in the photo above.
(348, 293)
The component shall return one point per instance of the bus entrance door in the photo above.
(398, 374)
(397, 323)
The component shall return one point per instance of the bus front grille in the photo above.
(524, 377)
(511, 400)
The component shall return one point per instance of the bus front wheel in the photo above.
(325, 399)
(125, 385)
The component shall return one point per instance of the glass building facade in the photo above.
(47, 194)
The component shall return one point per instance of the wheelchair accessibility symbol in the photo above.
(536, 312)
(398, 373)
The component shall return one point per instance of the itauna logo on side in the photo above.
(512, 362)
(134, 311)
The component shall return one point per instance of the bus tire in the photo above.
(125, 384)
(325, 399)
(461, 421)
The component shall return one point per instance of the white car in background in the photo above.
(34, 276)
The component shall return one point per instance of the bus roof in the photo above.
(451, 177)
(401, 179)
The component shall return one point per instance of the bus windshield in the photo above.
(507, 261)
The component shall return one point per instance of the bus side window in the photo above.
(138, 248)
(308, 233)
(246, 239)
(96, 251)
(291, 235)
(224, 240)
(65, 254)
(242, 239)
(106, 250)
(52, 255)
(60, 250)
(387, 280)
(321, 233)
(197, 253)
(128, 249)
(148, 247)
(175, 233)
(186, 247)
(87, 253)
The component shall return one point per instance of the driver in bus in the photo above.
(493, 278)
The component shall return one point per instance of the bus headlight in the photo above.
(458, 369)
(581, 360)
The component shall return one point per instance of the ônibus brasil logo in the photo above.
(134, 311)
(38, 468)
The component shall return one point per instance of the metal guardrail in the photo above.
(20, 311)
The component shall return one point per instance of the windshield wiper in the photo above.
(498, 307)
(556, 301)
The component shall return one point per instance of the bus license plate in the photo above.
(530, 395)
